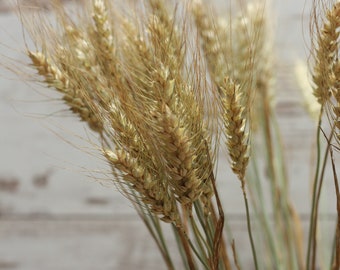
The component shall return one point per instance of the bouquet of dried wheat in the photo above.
(163, 83)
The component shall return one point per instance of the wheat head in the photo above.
(235, 125)
(325, 54)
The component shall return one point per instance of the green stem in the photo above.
(262, 213)
(205, 223)
(161, 244)
(318, 195)
(180, 247)
(317, 203)
(337, 231)
(249, 225)
(280, 203)
(167, 257)
(316, 177)
(202, 244)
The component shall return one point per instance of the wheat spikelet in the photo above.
(166, 39)
(237, 138)
(215, 42)
(252, 59)
(262, 81)
(103, 27)
(335, 105)
(152, 191)
(55, 78)
(262, 40)
(181, 158)
(122, 131)
(312, 106)
(325, 54)
(140, 65)
(102, 37)
(90, 74)
(243, 49)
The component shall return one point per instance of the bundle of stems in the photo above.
(165, 85)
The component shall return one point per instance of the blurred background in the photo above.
(53, 215)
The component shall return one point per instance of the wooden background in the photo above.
(54, 216)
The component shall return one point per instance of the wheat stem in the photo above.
(250, 234)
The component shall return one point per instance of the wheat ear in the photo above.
(214, 39)
(72, 96)
(336, 103)
(103, 27)
(235, 125)
(237, 141)
(181, 158)
(103, 37)
(325, 55)
(153, 192)
(311, 104)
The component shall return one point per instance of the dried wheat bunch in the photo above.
(140, 94)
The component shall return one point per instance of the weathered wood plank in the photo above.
(87, 243)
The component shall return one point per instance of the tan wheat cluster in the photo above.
(129, 79)
(164, 85)
(155, 85)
